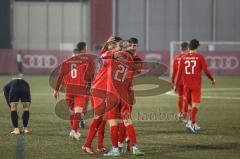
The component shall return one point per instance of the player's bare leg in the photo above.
(14, 118)
(132, 136)
(25, 116)
(114, 137)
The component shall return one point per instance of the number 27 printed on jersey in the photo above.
(190, 66)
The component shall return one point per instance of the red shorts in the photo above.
(112, 107)
(131, 99)
(125, 111)
(192, 95)
(98, 102)
(180, 90)
(125, 107)
(76, 101)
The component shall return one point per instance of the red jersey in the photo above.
(120, 75)
(139, 64)
(175, 66)
(76, 71)
(190, 69)
(100, 81)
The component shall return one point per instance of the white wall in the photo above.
(198, 21)
(46, 25)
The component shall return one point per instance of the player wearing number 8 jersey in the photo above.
(190, 69)
(76, 74)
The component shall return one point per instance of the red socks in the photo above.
(193, 115)
(180, 104)
(92, 131)
(131, 134)
(121, 132)
(114, 135)
(101, 131)
(185, 108)
(189, 112)
(71, 121)
(76, 119)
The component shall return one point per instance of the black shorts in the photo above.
(19, 90)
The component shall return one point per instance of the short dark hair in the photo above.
(194, 44)
(117, 39)
(133, 40)
(80, 46)
(184, 45)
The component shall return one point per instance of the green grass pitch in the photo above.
(219, 118)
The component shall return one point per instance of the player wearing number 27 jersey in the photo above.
(190, 69)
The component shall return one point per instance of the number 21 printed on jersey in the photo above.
(122, 71)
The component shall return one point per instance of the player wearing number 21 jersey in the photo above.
(119, 80)
(190, 69)
(75, 74)
(98, 97)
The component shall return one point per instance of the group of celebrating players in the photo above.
(107, 82)
(187, 81)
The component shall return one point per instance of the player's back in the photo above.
(119, 80)
(77, 70)
(176, 63)
(192, 69)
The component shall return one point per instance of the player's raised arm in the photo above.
(107, 44)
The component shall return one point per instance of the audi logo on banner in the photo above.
(40, 61)
(222, 62)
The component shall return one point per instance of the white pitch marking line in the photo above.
(172, 93)
(221, 97)
(220, 89)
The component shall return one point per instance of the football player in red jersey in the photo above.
(123, 141)
(76, 73)
(120, 78)
(98, 93)
(190, 70)
(182, 106)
